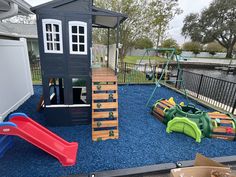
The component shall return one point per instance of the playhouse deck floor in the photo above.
(143, 141)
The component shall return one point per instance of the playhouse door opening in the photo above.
(79, 91)
(56, 90)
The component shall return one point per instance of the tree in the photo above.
(169, 43)
(158, 15)
(145, 18)
(215, 23)
(194, 47)
(214, 47)
(143, 43)
(130, 30)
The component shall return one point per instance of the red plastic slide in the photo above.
(21, 125)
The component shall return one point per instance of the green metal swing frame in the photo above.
(173, 54)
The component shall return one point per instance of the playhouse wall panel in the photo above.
(54, 66)
(81, 115)
(67, 116)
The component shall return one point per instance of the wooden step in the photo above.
(167, 103)
(99, 115)
(226, 121)
(104, 124)
(221, 130)
(224, 137)
(104, 135)
(221, 118)
(163, 105)
(215, 116)
(110, 105)
(159, 111)
(158, 116)
(104, 87)
(104, 96)
(104, 79)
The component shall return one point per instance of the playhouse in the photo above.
(74, 90)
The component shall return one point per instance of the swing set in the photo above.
(152, 74)
(149, 70)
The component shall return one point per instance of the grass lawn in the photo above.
(134, 59)
(133, 77)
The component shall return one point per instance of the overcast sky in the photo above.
(187, 6)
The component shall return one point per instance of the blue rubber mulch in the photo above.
(143, 141)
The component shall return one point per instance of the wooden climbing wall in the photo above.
(104, 105)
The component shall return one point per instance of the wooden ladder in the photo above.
(104, 105)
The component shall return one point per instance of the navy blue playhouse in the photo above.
(75, 91)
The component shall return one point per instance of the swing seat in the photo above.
(149, 75)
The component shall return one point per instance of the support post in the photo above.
(125, 73)
(181, 73)
(199, 87)
(177, 79)
(108, 46)
(61, 91)
(117, 43)
(154, 72)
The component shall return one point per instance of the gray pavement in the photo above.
(198, 60)
(212, 61)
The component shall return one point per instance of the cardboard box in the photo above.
(203, 167)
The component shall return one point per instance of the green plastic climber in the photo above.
(186, 126)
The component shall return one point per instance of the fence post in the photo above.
(177, 78)
(199, 87)
(125, 73)
(180, 78)
(154, 72)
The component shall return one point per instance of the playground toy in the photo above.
(194, 122)
(186, 126)
(21, 125)
(6, 143)
(76, 87)
(223, 125)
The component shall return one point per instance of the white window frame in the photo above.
(52, 22)
(85, 43)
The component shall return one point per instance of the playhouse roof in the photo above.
(101, 17)
(107, 18)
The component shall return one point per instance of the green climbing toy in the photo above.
(185, 119)
(186, 126)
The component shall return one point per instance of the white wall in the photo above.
(140, 52)
(15, 76)
(203, 54)
(112, 56)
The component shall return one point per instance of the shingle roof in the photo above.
(18, 30)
